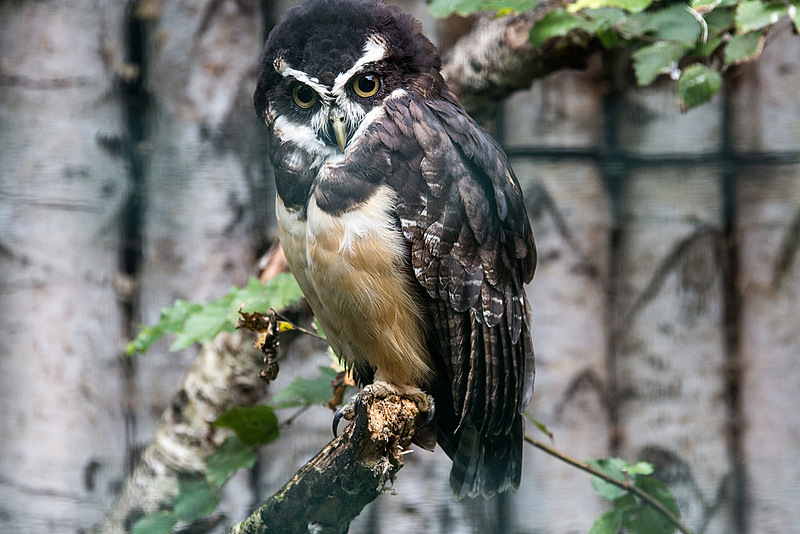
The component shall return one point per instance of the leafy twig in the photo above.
(627, 486)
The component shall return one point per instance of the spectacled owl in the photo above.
(404, 225)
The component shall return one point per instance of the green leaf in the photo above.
(305, 391)
(641, 468)
(637, 25)
(794, 14)
(697, 85)
(254, 425)
(744, 47)
(506, 7)
(606, 17)
(444, 8)
(170, 321)
(608, 523)
(703, 6)
(613, 467)
(628, 506)
(605, 22)
(195, 500)
(675, 23)
(708, 6)
(158, 523)
(720, 21)
(657, 58)
(257, 297)
(648, 519)
(634, 6)
(229, 458)
(205, 324)
(754, 15)
(556, 23)
(703, 50)
(195, 322)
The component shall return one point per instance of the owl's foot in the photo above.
(382, 390)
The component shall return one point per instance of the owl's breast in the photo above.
(352, 267)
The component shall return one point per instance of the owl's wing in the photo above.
(460, 208)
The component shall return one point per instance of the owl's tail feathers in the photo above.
(487, 465)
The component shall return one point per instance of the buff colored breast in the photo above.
(350, 269)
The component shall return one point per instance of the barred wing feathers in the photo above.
(460, 207)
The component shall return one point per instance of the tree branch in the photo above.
(329, 491)
(497, 58)
(622, 484)
(225, 374)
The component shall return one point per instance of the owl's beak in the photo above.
(339, 129)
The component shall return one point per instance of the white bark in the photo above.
(224, 375)
(770, 203)
(568, 206)
(769, 229)
(670, 343)
(203, 175)
(61, 190)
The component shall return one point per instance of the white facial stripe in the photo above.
(304, 137)
(374, 50)
(375, 114)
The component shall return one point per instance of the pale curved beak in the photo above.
(339, 129)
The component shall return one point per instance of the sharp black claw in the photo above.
(340, 413)
(336, 418)
(429, 417)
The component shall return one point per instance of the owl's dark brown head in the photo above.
(321, 40)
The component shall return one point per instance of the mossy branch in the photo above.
(330, 490)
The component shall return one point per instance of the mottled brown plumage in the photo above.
(404, 225)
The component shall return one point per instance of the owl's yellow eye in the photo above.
(366, 85)
(304, 96)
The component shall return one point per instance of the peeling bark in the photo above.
(497, 58)
(224, 375)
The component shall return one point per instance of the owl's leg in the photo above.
(382, 390)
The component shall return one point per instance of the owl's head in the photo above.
(331, 62)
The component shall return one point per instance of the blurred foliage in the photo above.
(692, 42)
(192, 322)
(629, 512)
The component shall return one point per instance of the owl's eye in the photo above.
(366, 85)
(304, 96)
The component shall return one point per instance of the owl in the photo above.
(405, 227)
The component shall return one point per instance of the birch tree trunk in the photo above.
(571, 217)
(203, 183)
(769, 233)
(62, 185)
(670, 348)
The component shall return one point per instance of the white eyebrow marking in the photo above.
(282, 68)
(374, 50)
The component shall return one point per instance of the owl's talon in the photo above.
(431, 411)
(348, 411)
(335, 425)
